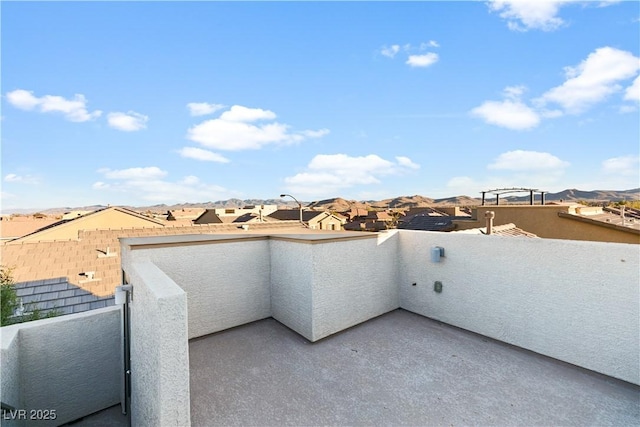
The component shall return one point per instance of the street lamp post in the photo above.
(299, 205)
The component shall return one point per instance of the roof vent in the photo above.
(105, 254)
(88, 274)
(89, 277)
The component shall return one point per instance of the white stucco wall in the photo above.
(159, 348)
(320, 287)
(10, 370)
(291, 285)
(571, 300)
(353, 281)
(227, 284)
(69, 363)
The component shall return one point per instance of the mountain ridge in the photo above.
(341, 204)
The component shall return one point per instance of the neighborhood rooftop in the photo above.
(289, 329)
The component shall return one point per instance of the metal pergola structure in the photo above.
(500, 191)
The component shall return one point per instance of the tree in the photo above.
(8, 296)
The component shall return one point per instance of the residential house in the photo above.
(426, 222)
(320, 220)
(13, 227)
(184, 214)
(107, 218)
(257, 210)
(214, 216)
(91, 259)
(569, 221)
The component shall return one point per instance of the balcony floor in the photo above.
(397, 369)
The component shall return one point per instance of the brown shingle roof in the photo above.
(50, 259)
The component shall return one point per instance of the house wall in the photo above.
(329, 223)
(226, 284)
(71, 364)
(543, 220)
(159, 348)
(574, 301)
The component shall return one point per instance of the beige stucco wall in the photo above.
(109, 219)
(544, 221)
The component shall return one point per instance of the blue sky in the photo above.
(168, 102)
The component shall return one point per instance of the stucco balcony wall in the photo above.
(70, 364)
(571, 300)
(159, 348)
(320, 286)
(226, 279)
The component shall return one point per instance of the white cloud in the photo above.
(74, 110)
(23, 99)
(99, 185)
(510, 114)
(203, 155)
(406, 162)
(233, 130)
(625, 165)
(127, 122)
(22, 179)
(587, 84)
(315, 133)
(390, 51)
(632, 93)
(422, 60)
(147, 183)
(151, 172)
(523, 15)
(521, 160)
(238, 113)
(466, 186)
(203, 108)
(514, 92)
(527, 169)
(593, 80)
(413, 60)
(190, 180)
(328, 174)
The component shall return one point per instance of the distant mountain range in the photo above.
(339, 204)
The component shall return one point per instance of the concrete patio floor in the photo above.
(397, 369)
